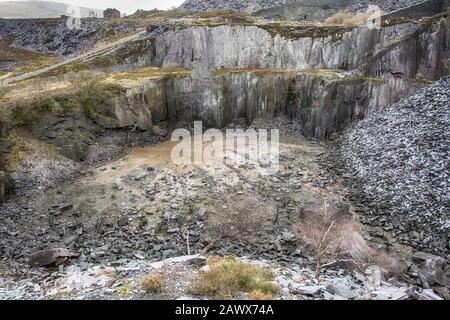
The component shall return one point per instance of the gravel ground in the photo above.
(400, 161)
(122, 281)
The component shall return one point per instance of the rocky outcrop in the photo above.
(421, 54)
(240, 73)
(224, 96)
(278, 47)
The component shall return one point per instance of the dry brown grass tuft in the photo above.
(227, 277)
(258, 295)
(154, 283)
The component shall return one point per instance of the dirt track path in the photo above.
(83, 56)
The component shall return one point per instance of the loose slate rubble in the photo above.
(86, 281)
(399, 163)
(386, 5)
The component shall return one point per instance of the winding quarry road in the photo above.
(83, 56)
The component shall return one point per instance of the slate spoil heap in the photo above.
(231, 5)
(385, 5)
(399, 160)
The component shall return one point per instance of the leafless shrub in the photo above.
(323, 232)
(334, 237)
(390, 264)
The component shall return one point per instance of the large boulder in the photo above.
(51, 257)
(432, 270)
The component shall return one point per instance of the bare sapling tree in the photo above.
(322, 232)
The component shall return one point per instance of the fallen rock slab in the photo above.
(49, 257)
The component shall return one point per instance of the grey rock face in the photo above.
(220, 99)
(267, 5)
(259, 47)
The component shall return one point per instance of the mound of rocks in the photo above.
(53, 36)
(231, 5)
(399, 161)
(385, 5)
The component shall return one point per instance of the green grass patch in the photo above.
(227, 277)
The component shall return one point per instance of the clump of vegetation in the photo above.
(87, 92)
(151, 73)
(84, 81)
(125, 290)
(227, 277)
(258, 295)
(347, 19)
(48, 103)
(154, 283)
(154, 14)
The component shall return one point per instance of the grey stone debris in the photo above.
(307, 290)
(391, 293)
(385, 5)
(400, 158)
(427, 294)
(46, 36)
(344, 288)
(230, 5)
(431, 269)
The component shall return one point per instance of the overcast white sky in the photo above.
(127, 6)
